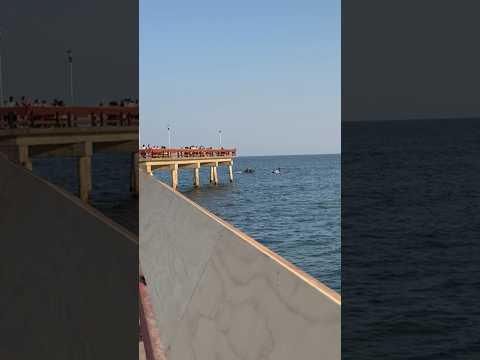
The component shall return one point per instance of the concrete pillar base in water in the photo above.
(230, 172)
(23, 157)
(149, 170)
(85, 171)
(174, 172)
(196, 176)
(85, 174)
(215, 175)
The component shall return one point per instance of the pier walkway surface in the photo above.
(173, 159)
(29, 131)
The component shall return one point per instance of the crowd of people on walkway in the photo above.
(20, 113)
(191, 147)
(153, 151)
(25, 101)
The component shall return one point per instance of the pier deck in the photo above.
(174, 159)
(26, 132)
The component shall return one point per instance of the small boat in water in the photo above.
(276, 171)
(249, 171)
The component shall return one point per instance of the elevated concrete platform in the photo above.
(187, 158)
(21, 144)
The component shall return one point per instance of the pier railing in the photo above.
(61, 117)
(175, 153)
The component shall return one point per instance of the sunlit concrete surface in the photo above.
(218, 294)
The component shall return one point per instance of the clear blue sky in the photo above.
(267, 73)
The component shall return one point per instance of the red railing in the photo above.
(56, 116)
(175, 153)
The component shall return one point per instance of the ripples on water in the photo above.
(410, 240)
(296, 214)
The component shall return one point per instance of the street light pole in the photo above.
(70, 61)
(220, 137)
(169, 139)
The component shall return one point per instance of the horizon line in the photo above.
(476, 117)
(336, 153)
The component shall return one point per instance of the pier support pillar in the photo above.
(23, 157)
(85, 171)
(211, 174)
(134, 174)
(215, 175)
(149, 169)
(230, 171)
(174, 172)
(196, 175)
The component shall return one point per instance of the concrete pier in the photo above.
(22, 141)
(196, 176)
(174, 160)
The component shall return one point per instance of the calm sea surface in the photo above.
(296, 214)
(411, 240)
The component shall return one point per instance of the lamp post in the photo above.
(169, 137)
(70, 62)
(220, 137)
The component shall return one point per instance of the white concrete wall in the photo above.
(69, 276)
(219, 294)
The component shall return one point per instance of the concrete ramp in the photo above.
(69, 276)
(218, 294)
